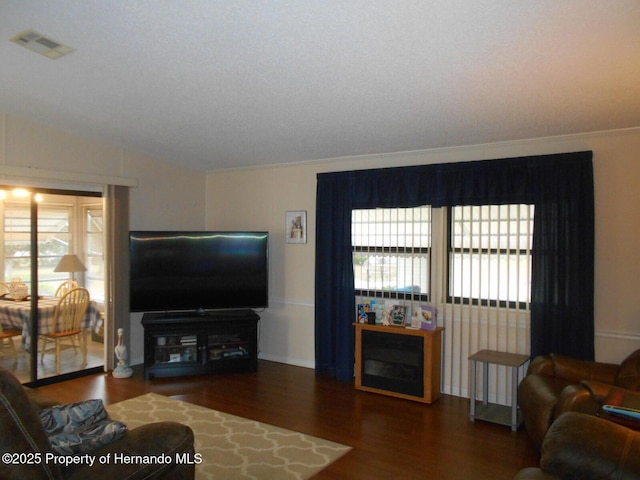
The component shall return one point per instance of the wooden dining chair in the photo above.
(66, 286)
(67, 325)
(7, 347)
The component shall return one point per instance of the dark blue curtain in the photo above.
(334, 294)
(562, 273)
(561, 188)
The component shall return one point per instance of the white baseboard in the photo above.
(289, 361)
(136, 361)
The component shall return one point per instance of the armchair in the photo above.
(23, 433)
(555, 384)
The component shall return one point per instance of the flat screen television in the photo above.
(198, 271)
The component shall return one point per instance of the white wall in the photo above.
(165, 197)
(258, 199)
(258, 202)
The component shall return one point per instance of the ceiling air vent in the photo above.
(40, 44)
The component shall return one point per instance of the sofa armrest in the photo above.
(39, 400)
(588, 447)
(171, 442)
(577, 398)
(600, 391)
(541, 365)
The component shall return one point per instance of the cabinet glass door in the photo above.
(228, 346)
(175, 348)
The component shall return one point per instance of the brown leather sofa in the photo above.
(556, 384)
(24, 444)
(586, 447)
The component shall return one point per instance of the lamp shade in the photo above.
(70, 263)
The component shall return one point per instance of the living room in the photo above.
(167, 195)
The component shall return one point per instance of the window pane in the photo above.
(17, 242)
(490, 252)
(492, 227)
(404, 273)
(491, 277)
(392, 250)
(94, 278)
(54, 240)
(392, 227)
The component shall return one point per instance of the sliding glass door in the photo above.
(63, 232)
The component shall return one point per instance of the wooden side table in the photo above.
(491, 412)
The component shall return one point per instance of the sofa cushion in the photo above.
(621, 397)
(579, 446)
(80, 427)
(629, 374)
(39, 400)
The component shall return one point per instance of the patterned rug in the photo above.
(234, 447)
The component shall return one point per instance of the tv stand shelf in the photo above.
(177, 344)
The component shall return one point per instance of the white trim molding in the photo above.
(50, 176)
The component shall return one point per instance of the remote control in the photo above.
(623, 411)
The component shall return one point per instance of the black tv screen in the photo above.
(184, 271)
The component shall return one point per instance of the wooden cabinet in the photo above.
(195, 344)
(399, 361)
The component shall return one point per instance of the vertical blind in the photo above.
(490, 254)
(488, 296)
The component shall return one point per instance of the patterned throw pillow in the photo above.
(80, 427)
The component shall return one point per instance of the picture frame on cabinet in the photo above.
(398, 315)
(296, 226)
(363, 312)
(428, 316)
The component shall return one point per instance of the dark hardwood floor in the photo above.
(391, 438)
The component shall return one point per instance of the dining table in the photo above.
(17, 314)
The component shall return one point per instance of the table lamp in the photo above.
(70, 263)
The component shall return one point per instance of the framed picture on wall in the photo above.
(296, 226)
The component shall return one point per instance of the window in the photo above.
(65, 222)
(490, 255)
(94, 251)
(17, 241)
(392, 252)
(53, 242)
(487, 258)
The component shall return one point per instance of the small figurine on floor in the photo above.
(122, 370)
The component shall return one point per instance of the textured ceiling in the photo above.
(221, 84)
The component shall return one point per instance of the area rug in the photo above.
(234, 447)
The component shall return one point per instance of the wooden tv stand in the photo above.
(399, 361)
(177, 344)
